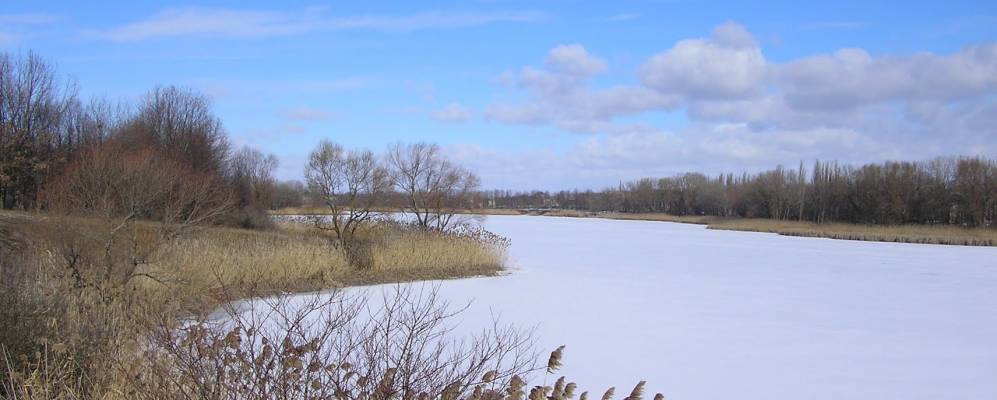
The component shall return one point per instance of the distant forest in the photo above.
(959, 191)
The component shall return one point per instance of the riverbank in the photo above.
(79, 295)
(923, 234)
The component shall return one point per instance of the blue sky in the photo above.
(557, 94)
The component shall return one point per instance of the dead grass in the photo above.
(305, 210)
(415, 253)
(291, 258)
(685, 219)
(61, 311)
(300, 258)
(948, 235)
(926, 234)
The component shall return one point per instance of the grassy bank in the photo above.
(300, 258)
(926, 234)
(933, 234)
(76, 300)
(939, 234)
(308, 210)
(685, 219)
(289, 258)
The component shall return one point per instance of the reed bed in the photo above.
(925, 234)
(299, 258)
(316, 210)
(76, 309)
(423, 255)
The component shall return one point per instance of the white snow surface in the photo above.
(707, 314)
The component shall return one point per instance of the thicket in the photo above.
(47, 131)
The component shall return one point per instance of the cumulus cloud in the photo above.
(453, 113)
(746, 112)
(562, 94)
(240, 23)
(574, 60)
(853, 77)
(727, 65)
(726, 79)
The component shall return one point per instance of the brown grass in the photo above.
(291, 257)
(88, 334)
(939, 234)
(926, 234)
(685, 219)
(316, 210)
(300, 258)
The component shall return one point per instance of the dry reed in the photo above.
(925, 234)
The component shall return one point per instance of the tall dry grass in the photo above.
(297, 258)
(924, 234)
(938, 234)
(322, 210)
(72, 307)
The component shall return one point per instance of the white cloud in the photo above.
(525, 113)
(749, 113)
(726, 80)
(574, 60)
(562, 94)
(853, 77)
(453, 113)
(232, 23)
(728, 65)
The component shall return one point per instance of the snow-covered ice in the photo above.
(704, 314)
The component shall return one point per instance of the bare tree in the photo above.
(434, 187)
(350, 183)
(181, 125)
(251, 173)
(288, 194)
(33, 106)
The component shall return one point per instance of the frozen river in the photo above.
(704, 314)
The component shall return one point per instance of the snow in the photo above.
(704, 314)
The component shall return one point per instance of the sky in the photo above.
(554, 94)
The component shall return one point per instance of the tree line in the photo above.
(48, 132)
(59, 151)
(953, 190)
